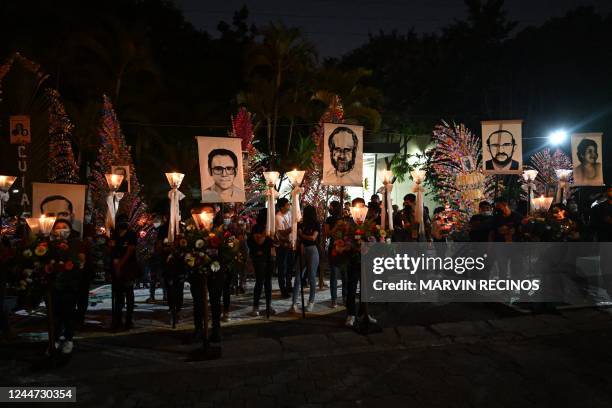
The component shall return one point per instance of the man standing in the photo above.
(124, 272)
(223, 168)
(284, 255)
(501, 145)
(506, 223)
(406, 229)
(481, 223)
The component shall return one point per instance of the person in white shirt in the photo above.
(284, 253)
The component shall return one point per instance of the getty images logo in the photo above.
(412, 265)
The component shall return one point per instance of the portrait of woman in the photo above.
(586, 151)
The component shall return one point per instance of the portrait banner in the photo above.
(342, 155)
(21, 133)
(502, 147)
(123, 170)
(587, 159)
(64, 201)
(221, 171)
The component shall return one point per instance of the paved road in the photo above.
(525, 361)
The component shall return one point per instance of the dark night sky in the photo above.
(337, 26)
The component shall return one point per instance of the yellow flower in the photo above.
(383, 233)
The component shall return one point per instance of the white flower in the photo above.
(28, 271)
(388, 240)
(230, 244)
(27, 253)
(199, 243)
(215, 266)
(165, 240)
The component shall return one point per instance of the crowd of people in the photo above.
(294, 263)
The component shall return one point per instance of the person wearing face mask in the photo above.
(124, 272)
(66, 286)
(480, 224)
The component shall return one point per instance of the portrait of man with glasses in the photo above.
(224, 169)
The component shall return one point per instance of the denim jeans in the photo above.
(284, 268)
(311, 257)
(337, 271)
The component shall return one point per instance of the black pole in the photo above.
(301, 269)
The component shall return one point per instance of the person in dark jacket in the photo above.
(260, 250)
(124, 272)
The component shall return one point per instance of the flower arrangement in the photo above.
(42, 263)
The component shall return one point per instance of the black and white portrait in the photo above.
(221, 169)
(502, 149)
(125, 172)
(587, 159)
(468, 164)
(66, 202)
(342, 155)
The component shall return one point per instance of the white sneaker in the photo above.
(310, 307)
(67, 347)
(371, 319)
(254, 313)
(293, 308)
(350, 321)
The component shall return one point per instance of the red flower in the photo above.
(69, 265)
(63, 246)
(226, 234)
(214, 242)
(334, 253)
(359, 231)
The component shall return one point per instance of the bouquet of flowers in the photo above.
(348, 237)
(43, 263)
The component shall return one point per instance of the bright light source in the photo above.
(557, 137)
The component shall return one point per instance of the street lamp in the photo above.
(529, 176)
(271, 180)
(563, 176)
(387, 178)
(204, 219)
(419, 176)
(295, 178)
(174, 179)
(359, 212)
(542, 203)
(557, 137)
(5, 184)
(113, 181)
(41, 225)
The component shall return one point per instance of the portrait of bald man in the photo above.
(343, 155)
